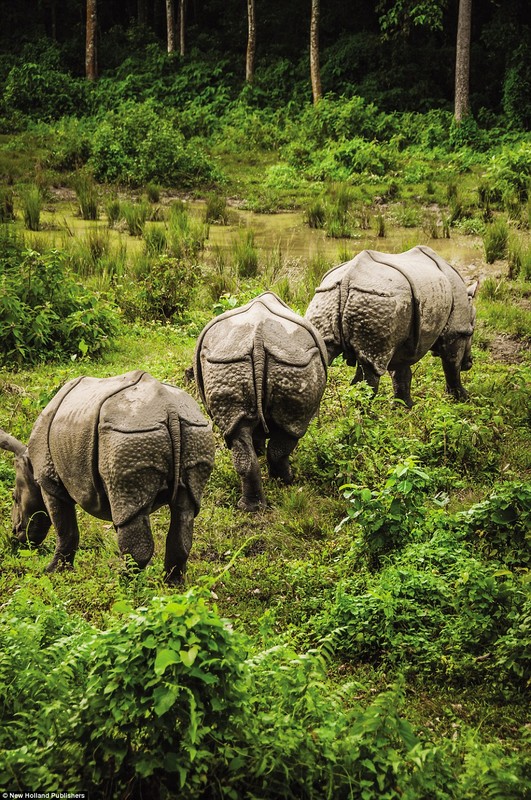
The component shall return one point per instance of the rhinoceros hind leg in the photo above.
(366, 372)
(64, 520)
(247, 466)
(279, 449)
(179, 539)
(135, 539)
(401, 378)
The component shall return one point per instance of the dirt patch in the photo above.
(508, 349)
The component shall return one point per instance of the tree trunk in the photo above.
(462, 61)
(182, 21)
(91, 59)
(251, 42)
(170, 25)
(141, 15)
(315, 70)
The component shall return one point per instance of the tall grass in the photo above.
(87, 195)
(7, 205)
(495, 240)
(245, 254)
(216, 209)
(113, 210)
(186, 234)
(135, 215)
(32, 206)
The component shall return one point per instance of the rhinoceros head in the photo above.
(30, 520)
(466, 360)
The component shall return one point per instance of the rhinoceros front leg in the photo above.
(64, 520)
(179, 539)
(279, 449)
(247, 466)
(452, 373)
(401, 378)
(135, 540)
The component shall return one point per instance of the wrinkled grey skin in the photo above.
(384, 312)
(120, 448)
(261, 372)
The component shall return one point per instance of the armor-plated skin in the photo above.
(120, 448)
(385, 311)
(261, 372)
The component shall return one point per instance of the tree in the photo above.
(315, 70)
(181, 27)
(170, 25)
(91, 59)
(462, 61)
(251, 42)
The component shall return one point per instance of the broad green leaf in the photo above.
(164, 658)
(188, 656)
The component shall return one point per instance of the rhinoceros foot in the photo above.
(251, 506)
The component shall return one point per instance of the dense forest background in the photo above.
(400, 55)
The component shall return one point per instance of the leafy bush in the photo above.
(511, 169)
(43, 93)
(45, 313)
(140, 144)
(163, 291)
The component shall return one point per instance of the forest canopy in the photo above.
(399, 55)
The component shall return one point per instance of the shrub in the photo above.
(139, 144)
(163, 292)
(44, 93)
(45, 313)
(511, 169)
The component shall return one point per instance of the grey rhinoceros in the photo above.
(261, 372)
(384, 312)
(120, 447)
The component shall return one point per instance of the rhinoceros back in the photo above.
(428, 284)
(247, 358)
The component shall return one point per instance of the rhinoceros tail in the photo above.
(259, 359)
(174, 428)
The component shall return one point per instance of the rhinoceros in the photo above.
(261, 372)
(384, 312)
(119, 447)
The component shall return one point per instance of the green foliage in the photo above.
(245, 254)
(216, 209)
(135, 215)
(140, 144)
(43, 93)
(87, 195)
(186, 234)
(511, 169)
(32, 207)
(162, 291)
(45, 313)
(388, 516)
(7, 206)
(495, 240)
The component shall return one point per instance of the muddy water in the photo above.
(283, 233)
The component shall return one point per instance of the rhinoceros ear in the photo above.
(8, 442)
(472, 289)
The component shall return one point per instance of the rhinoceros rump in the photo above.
(261, 372)
(385, 311)
(120, 448)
